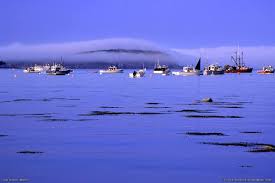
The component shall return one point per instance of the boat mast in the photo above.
(242, 59)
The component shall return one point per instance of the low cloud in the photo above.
(256, 56)
(107, 50)
(119, 50)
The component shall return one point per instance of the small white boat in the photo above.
(213, 69)
(111, 70)
(137, 74)
(190, 71)
(266, 70)
(161, 69)
(34, 69)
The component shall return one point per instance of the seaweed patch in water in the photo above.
(152, 103)
(157, 107)
(16, 100)
(231, 107)
(101, 113)
(109, 107)
(85, 119)
(205, 133)
(246, 166)
(55, 119)
(66, 106)
(30, 152)
(8, 115)
(251, 132)
(254, 147)
(1, 135)
(211, 116)
(196, 111)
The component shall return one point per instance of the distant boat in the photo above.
(190, 71)
(137, 74)
(266, 70)
(213, 69)
(161, 69)
(240, 66)
(34, 69)
(58, 69)
(111, 70)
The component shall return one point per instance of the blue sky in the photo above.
(171, 23)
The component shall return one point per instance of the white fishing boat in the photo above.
(34, 69)
(161, 69)
(58, 69)
(137, 74)
(213, 69)
(111, 70)
(190, 71)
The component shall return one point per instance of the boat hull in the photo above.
(137, 75)
(110, 72)
(59, 72)
(213, 72)
(196, 73)
(239, 71)
(265, 72)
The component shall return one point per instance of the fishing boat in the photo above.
(189, 70)
(34, 69)
(111, 70)
(213, 69)
(137, 74)
(266, 70)
(161, 69)
(58, 69)
(240, 66)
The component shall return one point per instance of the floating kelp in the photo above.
(246, 166)
(30, 152)
(16, 100)
(254, 147)
(2, 135)
(251, 132)
(157, 107)
(102, 113)
(109, 107)
(28, 115)
(69, 106)
(8, 115)
(85, 119)
(205, 133)
(152, 103)
(55, 119)
(211, 116)
(231, 107)
(57, 98)
(196, 111)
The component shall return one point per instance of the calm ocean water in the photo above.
(142, 136)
